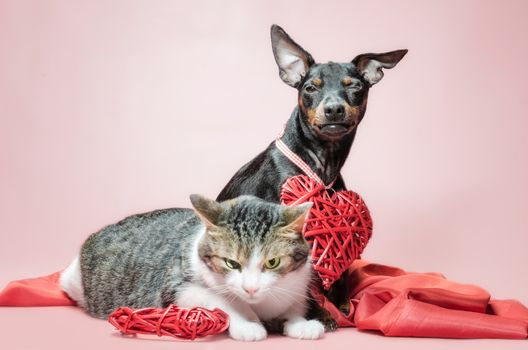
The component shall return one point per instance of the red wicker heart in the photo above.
(338, 225)
(178, 322)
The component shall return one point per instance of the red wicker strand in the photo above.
(339, 225)
(172, 321)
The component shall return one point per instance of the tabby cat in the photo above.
(245, 256)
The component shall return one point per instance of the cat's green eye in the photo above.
(272, 263)
(232, 264)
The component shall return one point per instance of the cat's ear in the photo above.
(294, 218)
(207, 209)
(370, 65)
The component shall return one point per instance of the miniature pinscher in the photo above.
(332, 99)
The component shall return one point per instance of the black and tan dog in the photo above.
(332, 100)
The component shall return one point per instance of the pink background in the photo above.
(110, 108)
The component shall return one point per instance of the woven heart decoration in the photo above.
(178, 322)
(338, 226)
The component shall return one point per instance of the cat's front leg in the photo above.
(296, 326)
(244, 324)
(241, 329)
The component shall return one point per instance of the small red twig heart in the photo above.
(174, 321)
(338, 227)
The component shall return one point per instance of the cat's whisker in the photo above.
(294, 301)
(270, 292)
(223, 292)
(286, 292)
(231, 298)
(289, 291)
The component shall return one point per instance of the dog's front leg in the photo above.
(339, 295)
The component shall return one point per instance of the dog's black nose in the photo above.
(334, 112)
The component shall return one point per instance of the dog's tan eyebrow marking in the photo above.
(347, 81)
(317, 82)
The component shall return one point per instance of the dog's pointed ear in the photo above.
(293, 60)
(370, 65)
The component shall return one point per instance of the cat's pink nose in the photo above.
(251, 291)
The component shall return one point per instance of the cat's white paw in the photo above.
(304, 329)
(247, 331)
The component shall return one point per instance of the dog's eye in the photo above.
(310, 89)
(353, 85)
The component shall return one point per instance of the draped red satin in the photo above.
(40, 291)
(382, 298)
(399, 303)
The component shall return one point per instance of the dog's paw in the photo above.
(304, 329)
(330, 325)
(247, 331)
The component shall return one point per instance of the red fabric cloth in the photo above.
(399, 303)
(383, 298)
(40, 291)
